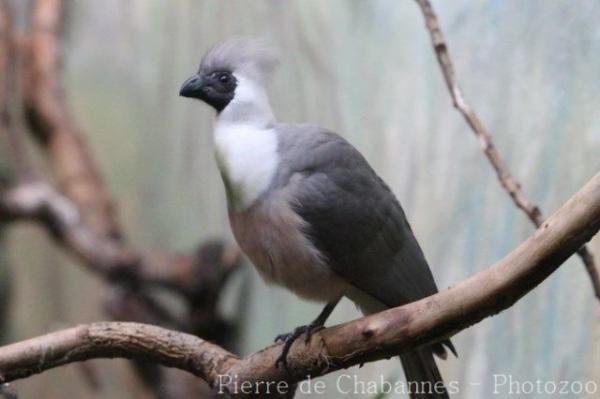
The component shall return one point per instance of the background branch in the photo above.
(371, 338)
(199, 277)
(41, 203)
(52, 123)
(508, 182)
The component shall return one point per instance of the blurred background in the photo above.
(365, 69)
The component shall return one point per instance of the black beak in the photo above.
(192, 87)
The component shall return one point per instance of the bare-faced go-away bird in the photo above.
(307, 208)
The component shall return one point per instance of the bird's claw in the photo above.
(289, 338)
(283, 337)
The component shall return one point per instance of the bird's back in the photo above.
(358, 225)
(353, 218)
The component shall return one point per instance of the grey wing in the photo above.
(355, 220)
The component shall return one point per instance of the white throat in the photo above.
(250, 104)
(246, 144)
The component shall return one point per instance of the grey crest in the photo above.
(250, 57)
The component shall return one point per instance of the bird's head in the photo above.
(232, 71)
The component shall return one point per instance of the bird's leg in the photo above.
(316, 325)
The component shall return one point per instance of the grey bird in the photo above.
(306, 207)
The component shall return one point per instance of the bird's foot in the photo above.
(289, 338)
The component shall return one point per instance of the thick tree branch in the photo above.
(110, 340)
(374, 337)
(508, 182)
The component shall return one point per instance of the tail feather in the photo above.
(424, 380)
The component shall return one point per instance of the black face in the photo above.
(216, 88)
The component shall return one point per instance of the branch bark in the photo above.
(374, 337)
(508, 182)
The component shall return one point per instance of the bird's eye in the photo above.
(224, 78)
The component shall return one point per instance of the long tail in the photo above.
(424, 380)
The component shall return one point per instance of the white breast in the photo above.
(247, 157)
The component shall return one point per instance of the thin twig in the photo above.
(378, 336)
(508, 182)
